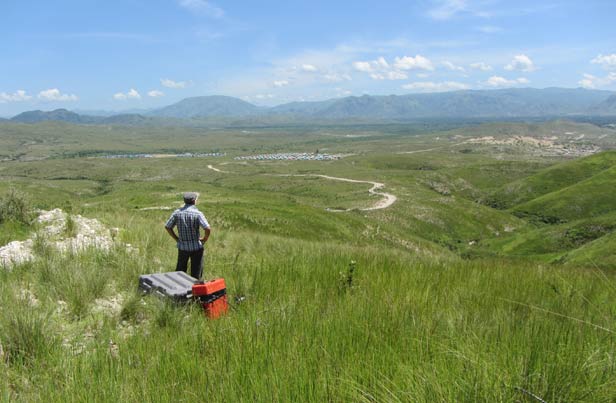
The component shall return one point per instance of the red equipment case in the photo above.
(213, 297)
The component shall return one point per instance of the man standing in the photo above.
(188, 220)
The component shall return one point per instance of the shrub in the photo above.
(14, 206)
(25, 335)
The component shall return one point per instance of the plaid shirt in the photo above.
(188, 220)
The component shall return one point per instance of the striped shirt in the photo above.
(188, 220)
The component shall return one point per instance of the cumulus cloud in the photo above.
(608, 62)
(54, 94)
(336, 77)
(380, 69)
(371, 66)
(17, 96)
(281, 83)
(589, 81)
(309, 68)
(413, 63)
(366, 67)
(521, 63)
(202, 7)
(264, 96)
(156, 94)
(389, 75)
(165, 82)
(481, 66)
(453, 67)
(430, 86)
(131, 94)
(497, 81)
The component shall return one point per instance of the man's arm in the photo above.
(206, 234)
(206, 228)
(169, 227)
(172, 233)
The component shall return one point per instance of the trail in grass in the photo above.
(387, 198)
(213, 168)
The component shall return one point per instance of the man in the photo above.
(190, 246)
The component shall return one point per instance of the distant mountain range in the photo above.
(506, 103)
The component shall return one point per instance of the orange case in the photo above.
(213, 297)
(209, 287)
(217, 308)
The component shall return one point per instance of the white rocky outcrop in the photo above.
(84, 233)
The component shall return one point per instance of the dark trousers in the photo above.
(196, 262)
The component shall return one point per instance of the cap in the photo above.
(191, 195)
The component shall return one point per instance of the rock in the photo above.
(16, 252)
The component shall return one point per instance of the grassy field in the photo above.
(459, 291)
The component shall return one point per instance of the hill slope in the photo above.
(62, 115)
(514, 102)
(208, 106)
(501, 103)
(589, 198)
(607, 107)
(553, 179)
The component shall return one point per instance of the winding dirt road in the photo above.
(387, 198)
(217, 170)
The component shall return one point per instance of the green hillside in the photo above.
(553, 179)
(557, 243)
(591, 197)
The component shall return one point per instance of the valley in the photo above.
(473, 248)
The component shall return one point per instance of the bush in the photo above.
(14, 206)
(26, 336)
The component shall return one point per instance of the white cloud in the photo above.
(453, 67)
(380, 69)
(390, 75)
(371, 66)
(17, 96)
(521, 63)
(366, 67)
(430, 86)
(481, 66)
(336, 77)
(309, 68)
(156, 94)
(497, 81)
(264, 96)
(281, 83)
(447, 9)
(131, 94)
(202, 7)
(608, 62)
(54, 94)
(165, 82)
(589, 81)
(413, 63)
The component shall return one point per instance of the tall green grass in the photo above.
(408, 329)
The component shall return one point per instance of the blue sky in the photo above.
(133, 54)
